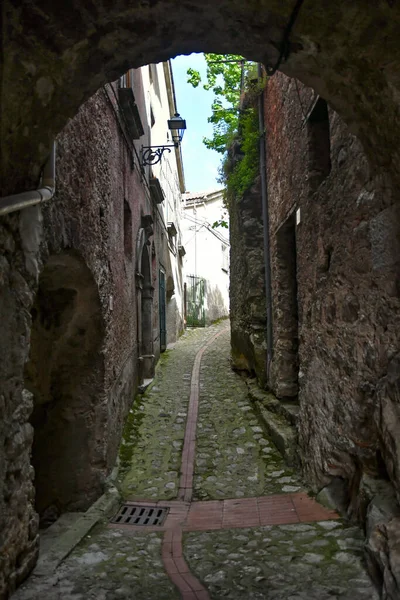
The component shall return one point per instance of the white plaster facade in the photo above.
(207, 249)
(161, 106)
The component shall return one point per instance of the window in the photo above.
(153, 75)
(319, 146)
(127, 230)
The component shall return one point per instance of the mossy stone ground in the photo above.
(150, 454)
(107, 565)
(317, 561)
(234, 458)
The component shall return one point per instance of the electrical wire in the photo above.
(284, 52)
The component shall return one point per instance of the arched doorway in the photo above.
(65, 375)
(145, 293)
(172, 312)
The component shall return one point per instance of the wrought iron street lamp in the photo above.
(151, 155)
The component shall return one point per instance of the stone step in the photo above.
(72, 530)
(50, 535)
(278, 420)
(289, 409)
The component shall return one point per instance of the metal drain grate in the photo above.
(129, 514)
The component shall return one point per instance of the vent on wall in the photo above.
(172, 231)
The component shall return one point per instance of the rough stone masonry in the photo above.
(55, 57)
(335, 247)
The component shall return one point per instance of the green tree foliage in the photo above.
(233, 129)
(240, 175)
(223, 78)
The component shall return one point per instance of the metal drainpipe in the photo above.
(265, 215)
(9, 204)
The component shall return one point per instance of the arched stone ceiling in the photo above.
(57, 53)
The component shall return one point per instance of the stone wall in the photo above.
(68, 276)
(346, 250)
(96, 187)
(335, 254)
(18, 521)
(247, 287)
(53, 60)
(335, 250)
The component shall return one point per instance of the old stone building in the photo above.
(335, 253)
(247, 289)
(102, 269)
(206, 260)
(53, 59)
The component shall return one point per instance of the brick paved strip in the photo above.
(189, 446)
(178, 571)
(308, 509)
(214, 515)
(279, 509)
(205, 515)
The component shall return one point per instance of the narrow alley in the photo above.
(239, 522)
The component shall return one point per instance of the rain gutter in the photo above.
(9, 204)
(265, 216)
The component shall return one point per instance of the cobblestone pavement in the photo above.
(107, 565)
(318, 561)
(250, 532)
(234, 458)
(151, 449)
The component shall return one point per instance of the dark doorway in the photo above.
(162, 309)
(146, 311)
(65, 374)
(286, 320)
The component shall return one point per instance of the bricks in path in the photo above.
(185, 515)
(177, 569)
(189, 445)
(279, 509)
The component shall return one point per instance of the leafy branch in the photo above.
(223, 77)
(229, 76)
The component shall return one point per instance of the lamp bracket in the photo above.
(151, 155)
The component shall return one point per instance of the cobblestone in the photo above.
(152, 442)
(234, 458)
(107, 565)
(297, 562)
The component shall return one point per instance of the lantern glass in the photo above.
(177, 127)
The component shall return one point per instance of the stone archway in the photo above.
(54, 58)
(65, 375)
